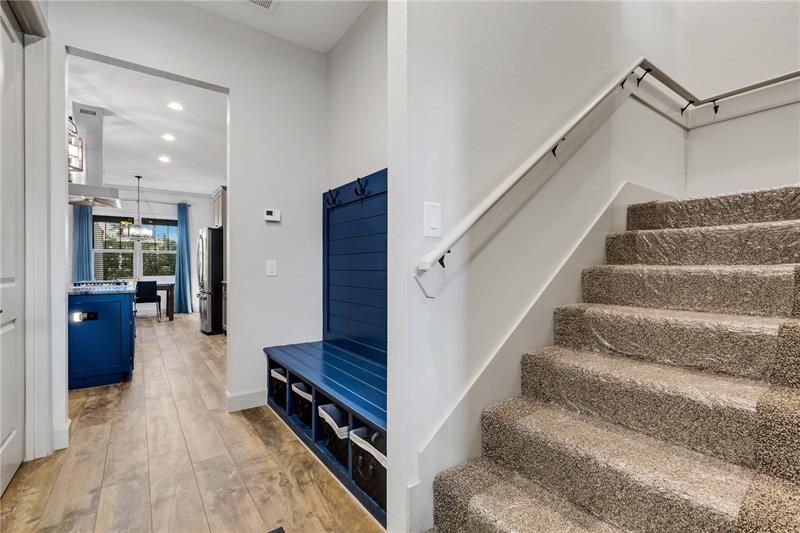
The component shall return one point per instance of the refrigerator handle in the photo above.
(200, 266)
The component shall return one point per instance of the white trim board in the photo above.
(39, 416)
(61, 435)
(246, 400)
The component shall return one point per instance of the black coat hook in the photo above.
(331, 198)
(360, 190)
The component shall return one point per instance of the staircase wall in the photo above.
(752, 41)
(495, 309)
(758, 151)
(483, 84)
(486, 84)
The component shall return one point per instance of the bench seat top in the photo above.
(355, 382)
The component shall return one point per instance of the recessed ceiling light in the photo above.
(164, 159)
(168, 137)
(175, 106)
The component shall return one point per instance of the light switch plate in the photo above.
(272, 268)
(433, 219)
(272, 215)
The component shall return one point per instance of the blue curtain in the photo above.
(82, 243)
(183, 284)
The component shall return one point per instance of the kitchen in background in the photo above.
(147, 182)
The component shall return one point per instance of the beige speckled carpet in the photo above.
(671, 399)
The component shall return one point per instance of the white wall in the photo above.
(161, 205)
(748, 153)
(357, 105)
(730, 45)
(277, 130)
(488, 83)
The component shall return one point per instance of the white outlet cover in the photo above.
(272, 268)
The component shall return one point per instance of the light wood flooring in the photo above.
(161, 453)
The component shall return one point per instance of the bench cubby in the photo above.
(333, 434)
(368, 460)
(277, 379)
(300, 408)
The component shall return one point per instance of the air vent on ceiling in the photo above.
(269, 5)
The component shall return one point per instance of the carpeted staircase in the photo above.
(671, 399)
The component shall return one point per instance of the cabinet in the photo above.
(220, 206)
(102, 332)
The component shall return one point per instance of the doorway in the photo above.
(157, 144)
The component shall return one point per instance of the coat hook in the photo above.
(360, 190)
(331, 198)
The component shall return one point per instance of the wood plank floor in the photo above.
(161, 453)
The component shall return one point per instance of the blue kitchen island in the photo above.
(102, 333)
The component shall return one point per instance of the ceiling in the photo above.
(314, 24)
(136, 116)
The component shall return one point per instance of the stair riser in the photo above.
(733, 291)
(585, 480)
(743, 352)
(778, 440)
(722, 431)
(743, 245)
(760, 206)
(451, 495)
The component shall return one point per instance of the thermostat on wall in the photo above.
(272, 215)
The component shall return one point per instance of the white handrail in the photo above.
(551, 146)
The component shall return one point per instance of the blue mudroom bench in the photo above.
(347, 367)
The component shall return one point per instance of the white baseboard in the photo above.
(61, 435)
(246, 400)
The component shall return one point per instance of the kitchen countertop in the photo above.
(118, 289)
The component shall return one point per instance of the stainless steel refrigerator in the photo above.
(209, 278)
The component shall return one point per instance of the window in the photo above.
(112, 251)
(117, 257)
(158, 252)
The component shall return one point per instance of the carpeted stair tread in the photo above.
(767, 290)
(713, 414)
(482, 496)
(742, 346)
(753, 206)
(626, 478)
(670, 401)
(737, 244)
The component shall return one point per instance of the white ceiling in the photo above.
(136, 116)
(314, 24)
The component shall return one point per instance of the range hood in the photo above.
(94, 196)
(86, 188)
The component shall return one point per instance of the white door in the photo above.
(12, 258)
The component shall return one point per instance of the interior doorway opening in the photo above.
(148, 187)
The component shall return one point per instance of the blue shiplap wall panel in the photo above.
(375, 298)
(354, 269)
(368, 244)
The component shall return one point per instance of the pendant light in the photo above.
(136, 231)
